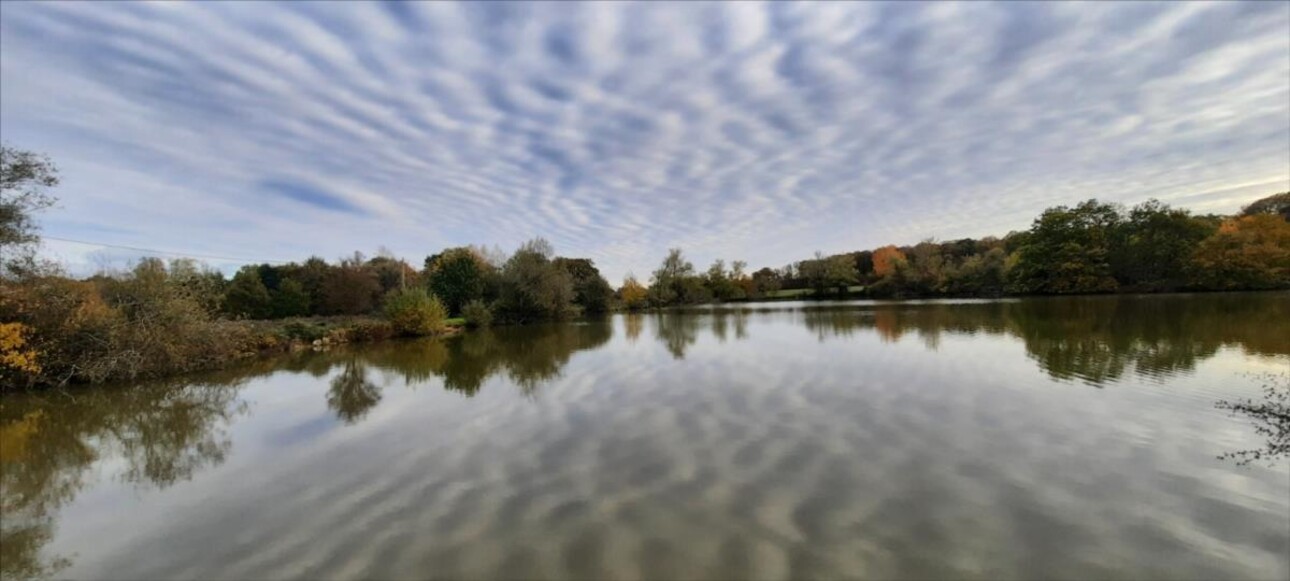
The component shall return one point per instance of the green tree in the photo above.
(1068, 250)
(721, 283)
(247, 296)
(25, 179)
(392, 273)
(457, 276)
(766, 280)
(590, 290)
(290, 300)
(533, 287)
(668, 286)
(1153, 246)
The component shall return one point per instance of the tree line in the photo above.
(1093, 247)
(159, 318)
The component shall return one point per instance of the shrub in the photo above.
(477, 314)
(413, 311)
(369, 331)
(141, 324)
(303, 331)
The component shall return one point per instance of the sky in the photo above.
(258, 131)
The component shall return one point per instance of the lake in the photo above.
(1054, 438)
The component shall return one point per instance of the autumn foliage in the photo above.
(885, 260)
(1249, 252)
(633, 294)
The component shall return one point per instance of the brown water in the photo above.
(1037, 439)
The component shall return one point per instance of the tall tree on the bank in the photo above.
(668, 285)
(290, 300)
(1151, 248)
(350, 288)
(25, 178)
(247, 295)
(457, 276)
(590, 290)
(1068, 251)
(886, 259)
(533, 287)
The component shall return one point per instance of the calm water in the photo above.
(1063, 439)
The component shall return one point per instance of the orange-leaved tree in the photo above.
(885, 260)
(1249, 252)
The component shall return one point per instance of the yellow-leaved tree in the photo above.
(633, 293)
(1249, 252)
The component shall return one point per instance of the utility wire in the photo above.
(179, 254)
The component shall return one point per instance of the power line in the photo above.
(155, 251)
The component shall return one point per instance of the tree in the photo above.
(863, 265)
(979, 274)
(25, 178)
(457, 276)
(840, 272)
(766, 281)
(204, 284)
(392, 272)
(1068, 251)
(924, 271)
(311, 275)
(247, 296)
(1276, 204)
(885, 260)
(290, 300)
(349, 288)
(668, 285)
(590, 290)
(1152, 247)
(633, 294)
(533, 287)
(1249, 252)
(721, 285)
(812, 272)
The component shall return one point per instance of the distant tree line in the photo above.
(158, 318)
(531, 284)
(1093, 247)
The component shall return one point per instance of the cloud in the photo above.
(312, 195)
(734, 130)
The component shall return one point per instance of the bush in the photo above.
(369, 331)
(141, 324)
(413, 311)
(304, 331)
(477, 314)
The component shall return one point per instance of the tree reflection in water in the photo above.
(165, 432)
(678, 330)
(1271, 418)
(528, 355)
(1095, 340)
(633, 324)
(352, 395)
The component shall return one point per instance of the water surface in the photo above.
(1033, 439)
